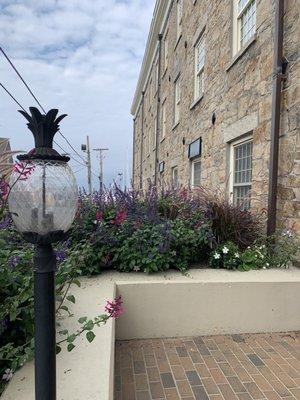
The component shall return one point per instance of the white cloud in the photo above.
(82, 57)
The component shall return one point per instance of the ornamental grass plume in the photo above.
(115, 308)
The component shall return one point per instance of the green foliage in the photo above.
(153, 248)
(129, 232)
(278, 251)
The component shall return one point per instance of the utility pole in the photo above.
(101, 150)
(86, 148)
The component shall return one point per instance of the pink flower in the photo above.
(99, 215)
(115, 308)
(120, 218)
(24, 169)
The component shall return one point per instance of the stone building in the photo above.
(203, 103)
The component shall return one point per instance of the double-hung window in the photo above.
(177, 96)
(175, 177)
(179, 18)
(196, 173)
(241, 172)
(244, 22)
(199, 67)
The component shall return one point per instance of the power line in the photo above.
(35, 98)
(20, 76)
(20, 105)
(14, 99)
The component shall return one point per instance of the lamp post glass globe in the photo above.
(45, 199)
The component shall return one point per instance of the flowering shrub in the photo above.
(277, 251)
(229, 256)
(126, 231)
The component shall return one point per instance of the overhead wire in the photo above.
(37, 101)
(20, 105)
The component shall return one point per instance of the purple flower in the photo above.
(61, 256)
(13, 261)
(5, 222)
(4, 188)
(3, 325)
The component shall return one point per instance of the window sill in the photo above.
(175, 126)
(178, 40)
(241, 52)
(197, 101)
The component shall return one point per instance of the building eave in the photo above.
(159, 15)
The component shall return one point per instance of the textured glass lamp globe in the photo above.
(43, 196)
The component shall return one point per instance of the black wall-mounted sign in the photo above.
(161, 167)
(195, 148)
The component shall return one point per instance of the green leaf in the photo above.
(82, 320)
(71, 338)
(89, 325)
(70, 347)
(90, 336)
(58, 349)
(65, 308)
(77, 282)
(71, 298)
(63, 332)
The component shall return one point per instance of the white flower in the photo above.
(217, 256)
(225, 250)
(236, 255)
(267, 264)
(7, 375)
(287, 233)
(95, 222)
(136, 268)
(264, 267)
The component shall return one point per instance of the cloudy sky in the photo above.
(83, 57)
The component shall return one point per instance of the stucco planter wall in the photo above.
(170, 304)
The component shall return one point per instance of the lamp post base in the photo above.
(44, 310)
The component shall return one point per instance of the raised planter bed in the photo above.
(166, 305)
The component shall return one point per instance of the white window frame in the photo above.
(163, 120)
(237, 21)
(175, 168)
(233, 145)
(179, 17)
(193, 162)
(177, 98)
(199, 72)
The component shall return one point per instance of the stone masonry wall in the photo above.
(240, 95)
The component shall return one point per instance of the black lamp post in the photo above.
(43, 203)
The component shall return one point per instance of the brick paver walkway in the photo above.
(231, 367)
